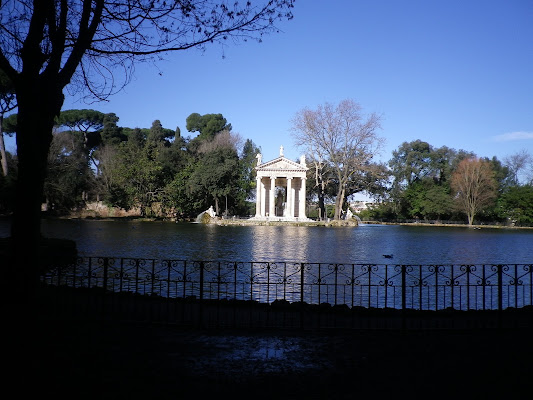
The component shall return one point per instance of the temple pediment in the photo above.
(281, 164)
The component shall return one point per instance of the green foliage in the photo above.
(145, 167)
(411, 162)
(384, 211)
(88, 122)
(82, 120)
(68, 172)
(503, 175)
(8, 99)
(421, 185)
(516, 204)
(247, 183)
(207, 125)
(111, 133)
(148, 168)
(215, 176)
(427, 200)
(158, 135)
(9, 124)
(136, 137)
(178, 196)
(139, 173)
(313, 212)
(161, 172)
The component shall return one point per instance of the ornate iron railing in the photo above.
(381, 286)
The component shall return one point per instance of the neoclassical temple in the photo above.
(280, 192)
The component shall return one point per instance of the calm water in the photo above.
(362, 244)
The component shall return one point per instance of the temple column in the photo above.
(263, 198)
(272, 205)
(301, 197)
(289, 198)
(258, 197)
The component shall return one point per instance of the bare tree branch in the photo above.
(342, 138)
(474, 186)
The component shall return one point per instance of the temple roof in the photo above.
(281, 164)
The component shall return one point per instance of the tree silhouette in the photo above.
(47, 46)
(7, 103)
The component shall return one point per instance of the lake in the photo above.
(317, 244)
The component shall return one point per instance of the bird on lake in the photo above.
(387, 255)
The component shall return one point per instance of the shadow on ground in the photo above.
(126, 361)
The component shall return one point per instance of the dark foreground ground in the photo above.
(124, 361)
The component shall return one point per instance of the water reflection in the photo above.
(363, 244)
(268, 354)
(275, 243)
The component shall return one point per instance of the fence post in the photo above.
(500, 287)
(152, 279)
(104, 295)
(369, 286)
(420, 297)
(152, 292)
(74, 272)
(404, 294)
(136, 275)
(302, 280)
(484, 283)
(201, 305)
(500, 294)
(404, 287)
(516, 283)
(468, 269)
(336, 270)
(451, 287)
(104, 283)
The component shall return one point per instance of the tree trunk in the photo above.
(339, 201)
(39, 101)
(321, 206)
(3, 158)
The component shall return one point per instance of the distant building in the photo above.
(358, 206)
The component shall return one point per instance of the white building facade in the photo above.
(280, 193)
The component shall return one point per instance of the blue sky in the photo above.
(454, 73)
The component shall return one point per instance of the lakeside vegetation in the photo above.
(158, 173)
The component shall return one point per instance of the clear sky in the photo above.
(457, 73)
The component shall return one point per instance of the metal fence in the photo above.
(417, 287)
(290, 294)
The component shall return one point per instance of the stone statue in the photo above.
(349, 214)
(259, 157)
(211, 212)
(281, 150)
(302, 160)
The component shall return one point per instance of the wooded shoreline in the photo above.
(248, 221)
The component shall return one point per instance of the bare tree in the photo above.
(224, 139)
(341, 137)
(47, 46)
(322, 178)
(474, 186)
(519, 163)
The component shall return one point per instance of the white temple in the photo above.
(280, 192)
